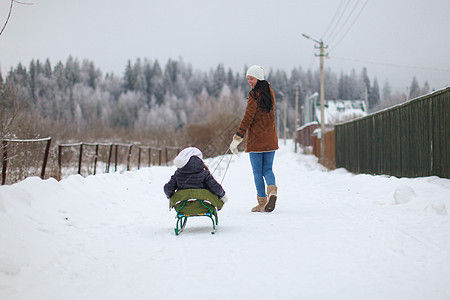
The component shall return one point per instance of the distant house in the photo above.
(336, 111)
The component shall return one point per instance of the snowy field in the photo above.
(333, 235)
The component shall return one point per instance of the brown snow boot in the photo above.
(262, 201)
(272, 198)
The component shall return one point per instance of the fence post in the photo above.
(96, 158)
(160, 156)
(116, 157)
(149, 157)
(4, 161)
(167, 157)
(109, 158)
(47, 151)
(139, 158)
(129, 157)
(80, 158)
(60, 161)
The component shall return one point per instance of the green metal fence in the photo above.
(407, 140)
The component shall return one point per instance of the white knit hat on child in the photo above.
(257, 72)
(185, 155)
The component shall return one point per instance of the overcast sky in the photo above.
(395, 39)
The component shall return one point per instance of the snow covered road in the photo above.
(333, 235)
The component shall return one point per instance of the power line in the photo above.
(340, 18)
(9, 13)
(353, 23)
(345, 22)
(333, 19)
(390, 65)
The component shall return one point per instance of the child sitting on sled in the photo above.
(192, 180)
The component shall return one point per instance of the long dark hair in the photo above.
(261, 92)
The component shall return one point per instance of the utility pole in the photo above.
(278, 120)
(296, 119)
(285, 119)
(322, 54)
(279, 116)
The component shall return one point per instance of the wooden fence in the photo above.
(22, 155)
(91, 158)
(117, 154)
(304, 134)
(408, 140)
(19, 163)
(329, 153)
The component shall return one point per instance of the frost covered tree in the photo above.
(218, 81)
(89, 74)
(129, 78)
(343, 87)
(231, 81)
(374, 96)
(72, 72)
(366, 81)
(47, 69)
(147, 97)
(157, 84)
(414, 89)
(425, 89)
(140, 84)
(33, 74)
(386, 92)
(170, 75)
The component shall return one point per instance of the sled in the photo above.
(195, 203)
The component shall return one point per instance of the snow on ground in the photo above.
(333, 235)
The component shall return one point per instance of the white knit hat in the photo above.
(256, 71)
(185, 155)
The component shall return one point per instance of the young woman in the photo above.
(262, 140)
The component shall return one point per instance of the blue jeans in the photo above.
(262, 169)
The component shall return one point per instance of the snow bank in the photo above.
(333, 235)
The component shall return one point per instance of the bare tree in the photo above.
(9, 109)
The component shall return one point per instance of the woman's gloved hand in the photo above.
(235, 143)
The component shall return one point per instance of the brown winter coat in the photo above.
(259, 126)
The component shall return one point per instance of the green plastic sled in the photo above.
(195, 203)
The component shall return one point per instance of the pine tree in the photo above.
(170, 75)
(386, 92)
(218, 81)
(129, 79)
(33, 73)
(356, 86)
(157, 85)
(90, 74)
(58, 73)
(138, 73)
(72, 72)
(425, 89)
(414, 90)
(294, 82)
(47, 69)
(374, 97)
(331, 84)
(231, 82)
(343, 87)
(148, 75)
(145, 96)
(366, 81)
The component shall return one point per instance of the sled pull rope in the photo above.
(223, 156)
(228, 164)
